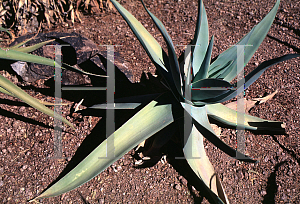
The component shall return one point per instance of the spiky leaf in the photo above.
(254, 38)
(200, 38)
(142, 125)
(197, 159)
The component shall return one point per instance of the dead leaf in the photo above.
(248, 104)
(142, 144)
(268, 97)
(216, 129)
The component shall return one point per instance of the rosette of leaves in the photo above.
(184, 80)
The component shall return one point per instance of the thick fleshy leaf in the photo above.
(14, 90)
(203, 71)
(221, 70)
(228, 117)
(251, 41)
(6, 30)
(20, 44)
(151, 119)
(32, 47)
(20, 56)
(151, 46)
(200, 119)
(187, 69)
(173, 62)
(249, 79)
(197, 159)
(200, 38)
(42, 102)
(209, 88)
(257, 72)
(5, 91)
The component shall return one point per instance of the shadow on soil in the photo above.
(290, 152)
(285, 25)
(149, 88)
(272, 186)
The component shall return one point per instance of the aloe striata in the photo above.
(186, 97)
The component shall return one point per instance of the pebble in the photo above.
(178, 187)
(263, 192)
(24, 167)
(183, 180)
(283, 197)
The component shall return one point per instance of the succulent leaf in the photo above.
(15, 91)
(32, 47)
(200, 38)
(249, 79)
(20, 44)
(20, 56)
(151, 46)
(222, 69)
(228, 117)
(254, 38)
(148, 121)
(5, 91)
(173, 62)
(197, 159)
(209, 89)
(188, 69)
(200, 120)
(203, 71)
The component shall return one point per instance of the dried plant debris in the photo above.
(249, 104)
(27, 15)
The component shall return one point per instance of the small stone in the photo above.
(24, 167)
(263, 192)
(183, 181)
(266, 159)
(240, 175)
(283, 197)
(101, 201)
(178, 187)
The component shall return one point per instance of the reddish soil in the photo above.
(26, 136)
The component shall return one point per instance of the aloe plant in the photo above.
(185, 96)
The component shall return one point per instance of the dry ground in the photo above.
(26, 136)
